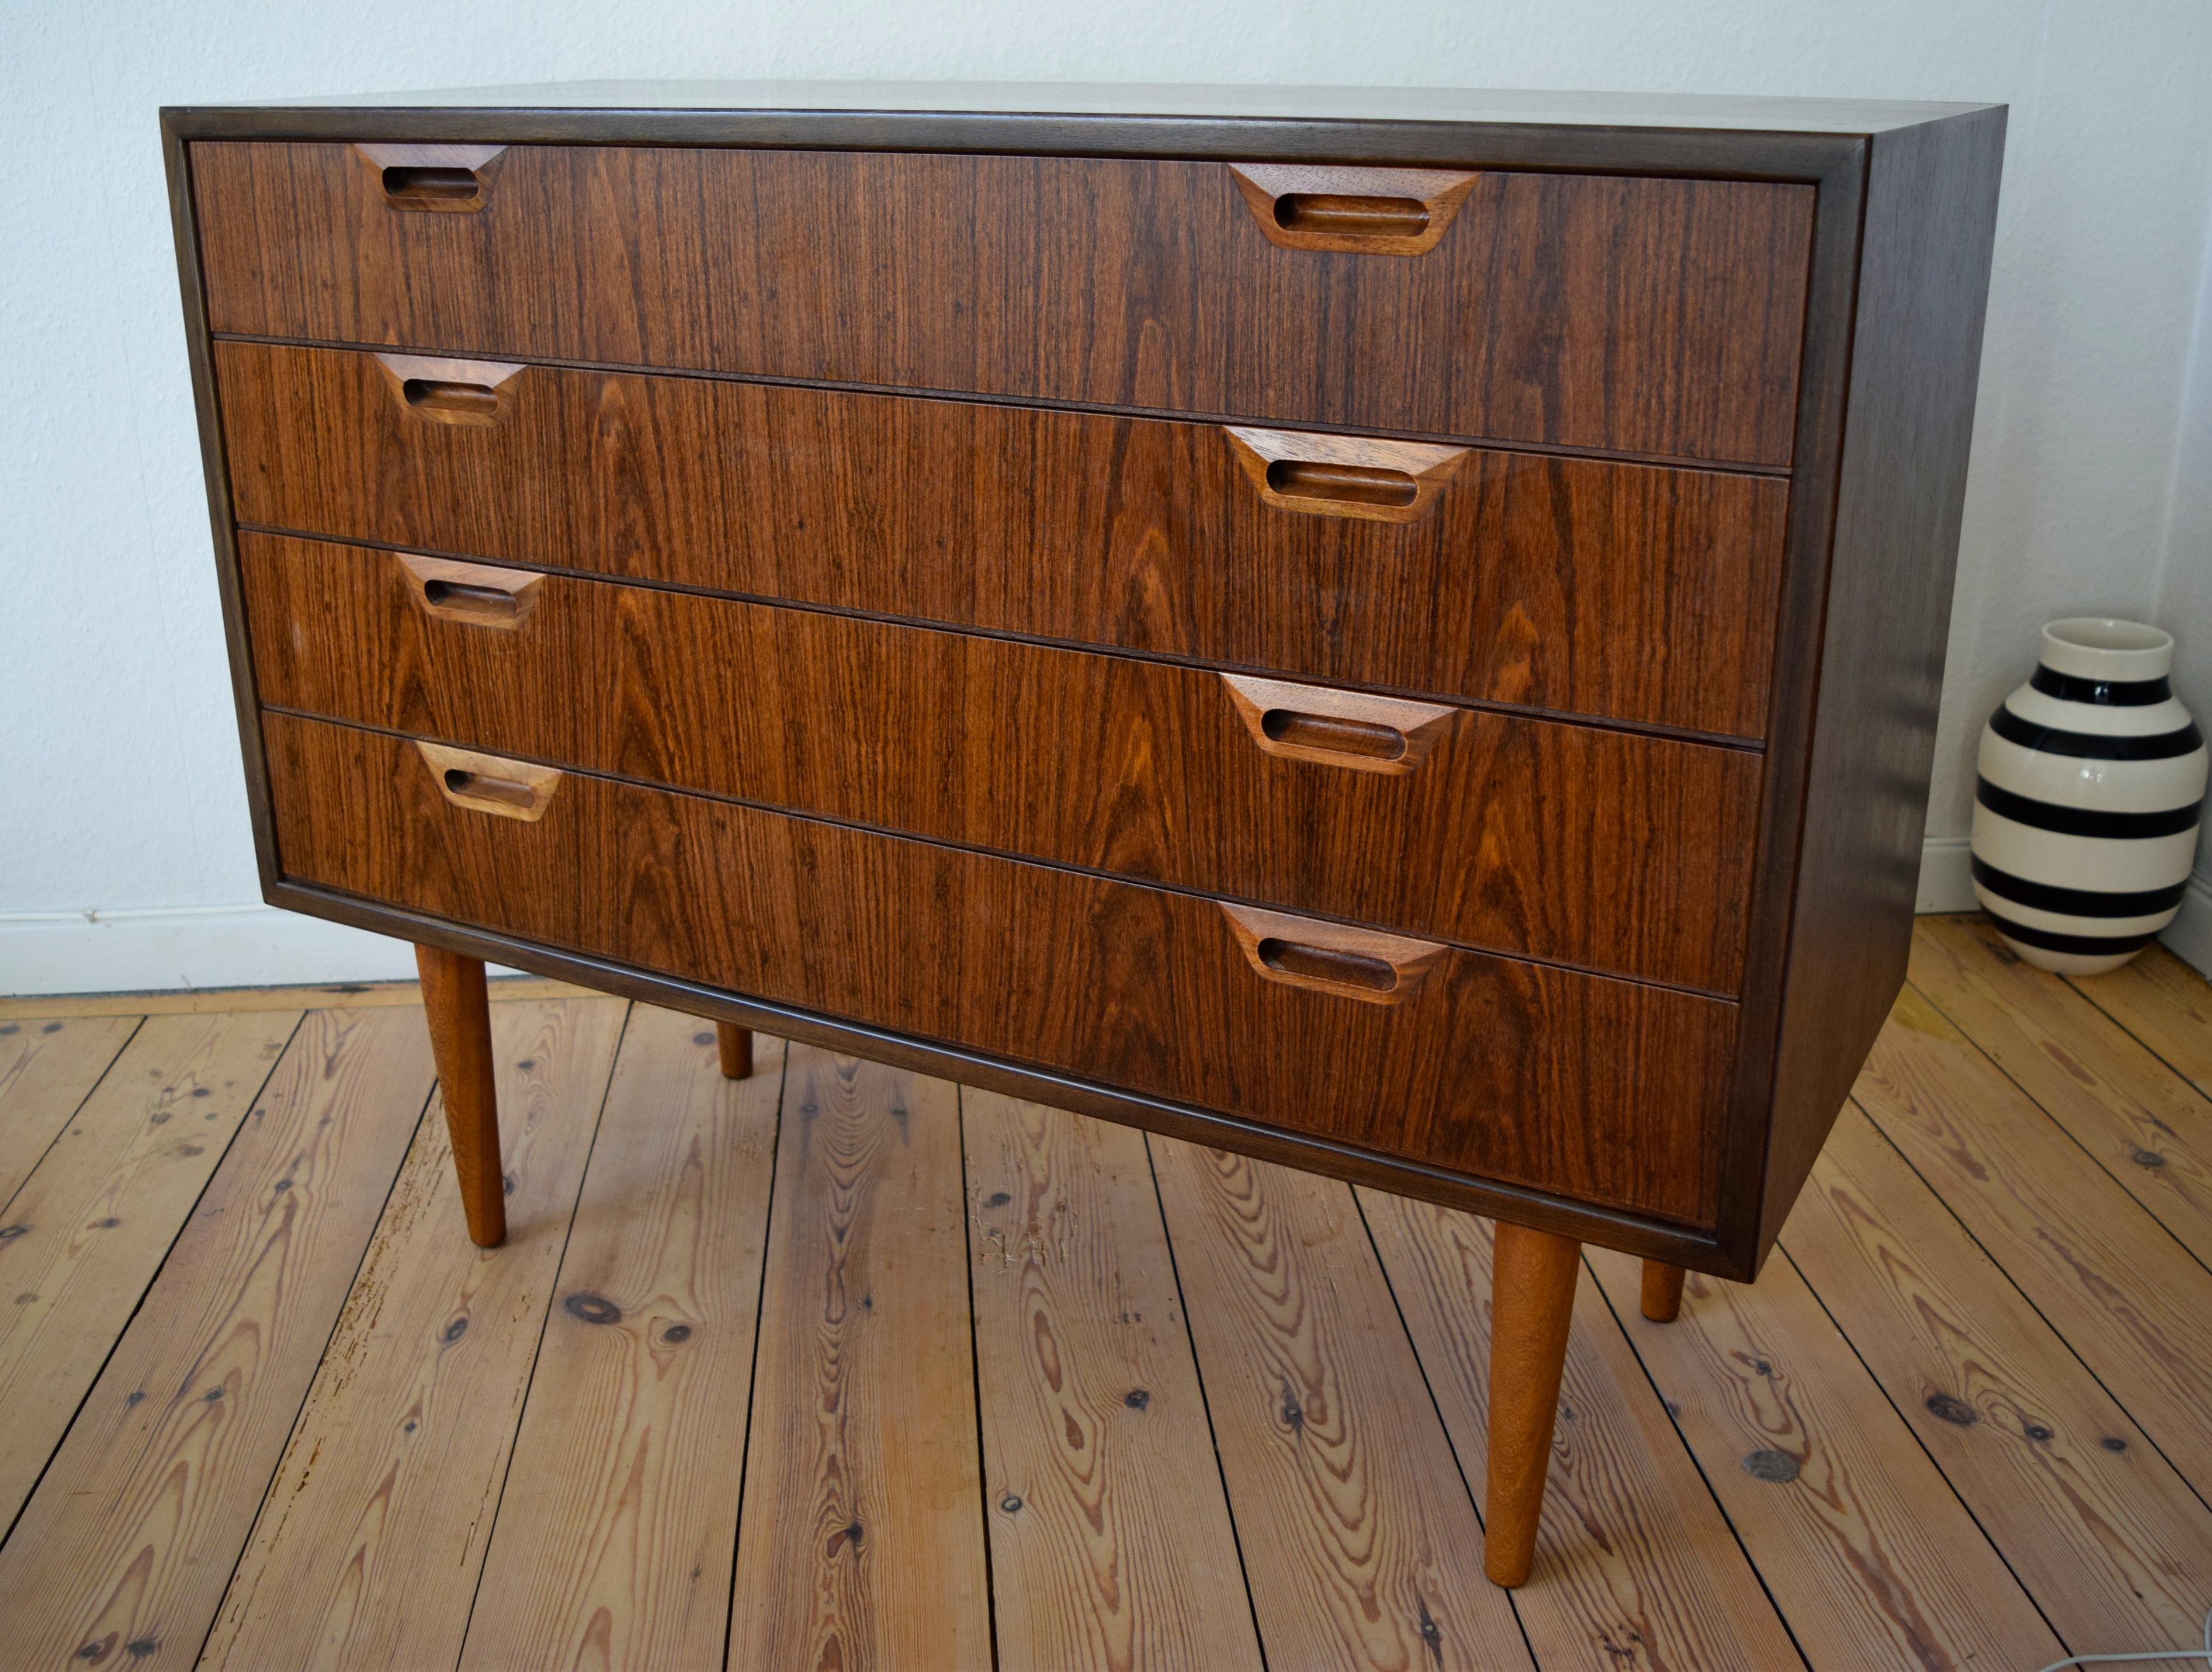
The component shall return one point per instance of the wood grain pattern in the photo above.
(88, 1230)
(2147, 1127)
(861, 1542)
(2108, 1277)
(1623, 590)
(1363, 1552)
(1111, 1545)
(1078, 279)
(369, 1543)
(2113, 1546)
(1595, 848)
(1865, 1549)
(122, 1555)
(1640, 1570)
(2165, 1004)
(618, 1524)
(48, 1066)
(1125, 984)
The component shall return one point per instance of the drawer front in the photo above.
(1625, 592)
(1588, 847)
(1634, 315)
(1603, 1090)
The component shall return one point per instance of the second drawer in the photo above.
(1598, 849)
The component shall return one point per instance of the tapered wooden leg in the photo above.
(460, 1039)
(1532, 1296)
(1662, 1291)
(737, 1045)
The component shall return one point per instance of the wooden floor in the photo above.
(841, 1367)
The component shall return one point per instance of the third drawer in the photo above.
(1603, 849)
(1624, 591)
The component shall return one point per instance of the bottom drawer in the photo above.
(1604, 1090)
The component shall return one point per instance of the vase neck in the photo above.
(2106, 651)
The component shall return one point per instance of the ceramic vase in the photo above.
(2087, 800)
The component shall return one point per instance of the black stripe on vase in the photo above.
(2093, 746)
(2080, 821)
(2112, 693)
(2091, 945)
(2074, 902)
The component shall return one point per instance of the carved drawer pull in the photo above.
(475, 593)
(1363, 211)
(443, 178)
(1345, 476)
(1365, 964)
(453, 391)
(1332, 728)
(491, 783)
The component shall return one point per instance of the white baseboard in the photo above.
(2189, 936)
(242, 946)
(1946, 876)
(257, 945)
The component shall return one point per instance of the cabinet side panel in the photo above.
(184, 219)
(1931, 218)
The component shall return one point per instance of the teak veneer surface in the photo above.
(1595, 1088)
(1638, 314)
(1599, 848)
(1625, 592)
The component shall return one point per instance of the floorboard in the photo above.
(232, 1000)
(841, 1367)
(368, 1550)
(618, 1525)
(1636, 1566)
(2111, 1280)
(1111, 1542)
(2165, 1004)
(1863, 1543)
(90, 1227)
(1361, 1542)
(862, 1543)
(46, 1069)
(2145, 1125)
(2109, 1540)
(125, 1550)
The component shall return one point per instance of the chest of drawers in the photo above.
(1395, 632)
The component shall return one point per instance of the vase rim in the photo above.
(2104, 647)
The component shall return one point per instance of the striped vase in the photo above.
(2087, 806)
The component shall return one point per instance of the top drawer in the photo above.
(1640, 316)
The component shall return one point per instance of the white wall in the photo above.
(120, 794)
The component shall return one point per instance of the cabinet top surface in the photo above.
(1176, 101)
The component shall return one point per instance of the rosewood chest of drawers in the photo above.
(1398, 632)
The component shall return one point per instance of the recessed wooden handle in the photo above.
(1365, 964)
(1361, 211)
(475, 594)
(452, 392)
(491, 783)
(1333, 727)
(1345, 476)
(439, 178)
